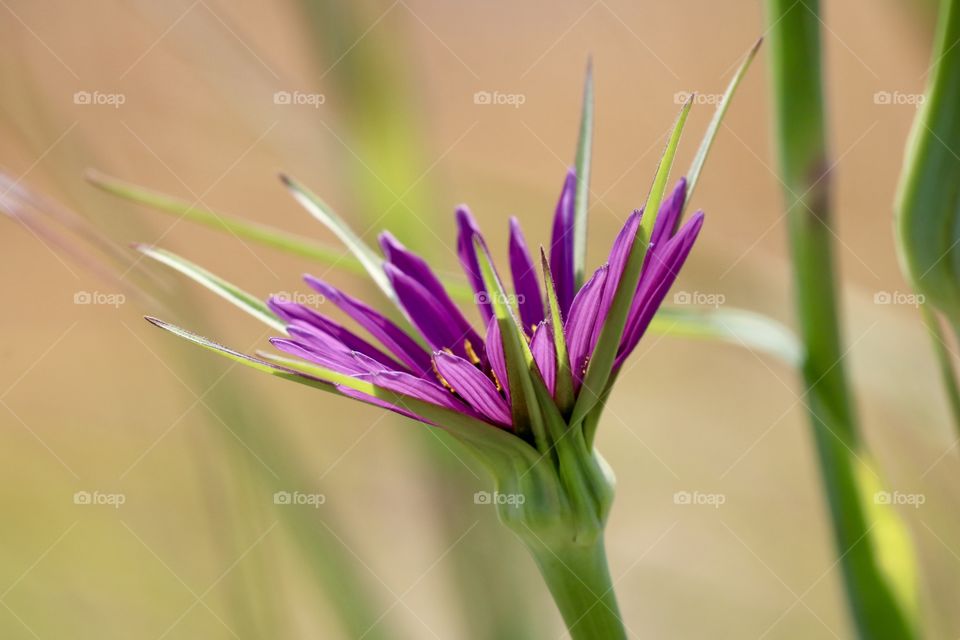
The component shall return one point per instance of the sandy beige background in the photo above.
(94, 399)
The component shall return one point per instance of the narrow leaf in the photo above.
(244, 229)
(605, 352)
(226, 290)
(564, 383)
(370, 260)
(582, 197)
(693, 175)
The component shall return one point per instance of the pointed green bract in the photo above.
(244, 229)
(226, 290)
(564, 383)
(370, 260)
(693, 176)
(582, 194)
(605, 353)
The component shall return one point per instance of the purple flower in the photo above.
(446, 361)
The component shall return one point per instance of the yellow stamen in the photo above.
(471, 354)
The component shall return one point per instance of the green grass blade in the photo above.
(738, 327)
(226, 290)
(693, 175)
(564, 382)
(370, 259)
(195, 212)
(582, 196)
(604, 354)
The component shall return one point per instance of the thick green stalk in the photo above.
(579, 580)
(876, 593)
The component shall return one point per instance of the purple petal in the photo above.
(579, 324)
(561, 245)
(431, 318)
(467, 228)
(668, 217)
(525, 280)
(377, 402)
(339, 361)
(498, 362)
(382, 328)
(474, 387)
(663, 271)
(545, 354)
(297, 314)
(619, 254)
(418, 388)
(419, 271)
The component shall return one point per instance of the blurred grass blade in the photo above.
(928, 200)
(603, 356)
(875, 594)
(693, 175)
(742, 328)
(226, 290)
(582, 194)
(195, 212)
(370, 260)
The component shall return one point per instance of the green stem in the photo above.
(944, 360)
(579, 580)
(876, 598)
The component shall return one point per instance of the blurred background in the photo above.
(139, 474)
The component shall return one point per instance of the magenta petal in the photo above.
(340, 361)
(377, 402)
(561, 245)
(474, 387)
(669, 215)
(420, 272)
(305, 317)
(418, 388)
(526, 282)
(655, 285)
(466, 229)
(580, 323)
(545, 355)
(498, 362)
(430, 317)
(382, 328)
(619, 254)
